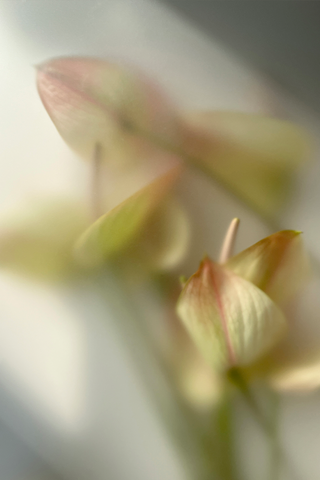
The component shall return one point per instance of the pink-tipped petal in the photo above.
(231, 320)
(92, 101)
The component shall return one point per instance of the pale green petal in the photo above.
(231, 320)
(119, 227)
(92, 102)
(252, 154)
(277, 264)
(38, 242)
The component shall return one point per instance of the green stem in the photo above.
(222, 431)
(239, 381)
(181, 421)
(275, 457)
(279, 457)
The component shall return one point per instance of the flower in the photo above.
(234, 311)
(253, 155)
(57, 240)
(38, 240)
(92, 102)
(96, 102)
(118, 228)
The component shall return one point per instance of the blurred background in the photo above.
(72, 406)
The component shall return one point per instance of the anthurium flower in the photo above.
(41, 243)
(121, 226)
(98, 105)
(226, 308)
(94, 102)
(231, 320)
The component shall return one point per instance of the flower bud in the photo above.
(232, 321)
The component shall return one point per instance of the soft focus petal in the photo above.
(277, 264)
(254, 155)
(231, 320)
(301, 379)
(200, 385)
(299, 350)
(120, 226)
(39, 241)
(166, 237)
(92, 102)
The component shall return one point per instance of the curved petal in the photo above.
(277, 264)
(165, 239)
(39, 241)
(232, 321)
(302, 378)
(254, 155)
(297, 355)
(92, 102)
(119, 227)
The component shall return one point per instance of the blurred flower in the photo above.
(38, 241)
(231, 320)
(294, 364)
(94, 102)
(232, 311)
(118, 228)
(56, 241)
(253, 155)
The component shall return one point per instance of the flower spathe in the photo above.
(231, 320)
(229, 309)
(94, 102)
(56, 240)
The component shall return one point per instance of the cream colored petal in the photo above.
(92, 101)
(254, 155)
(120, 226)
(299, 379)
(232, 321)
(277, 264)
(200, 385)
(38, 242)
(300, 348)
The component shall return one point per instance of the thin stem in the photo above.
(238, 380)
(229, 241)
(279, 456)
(275, 458)
(222, 430)
(96, 200)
